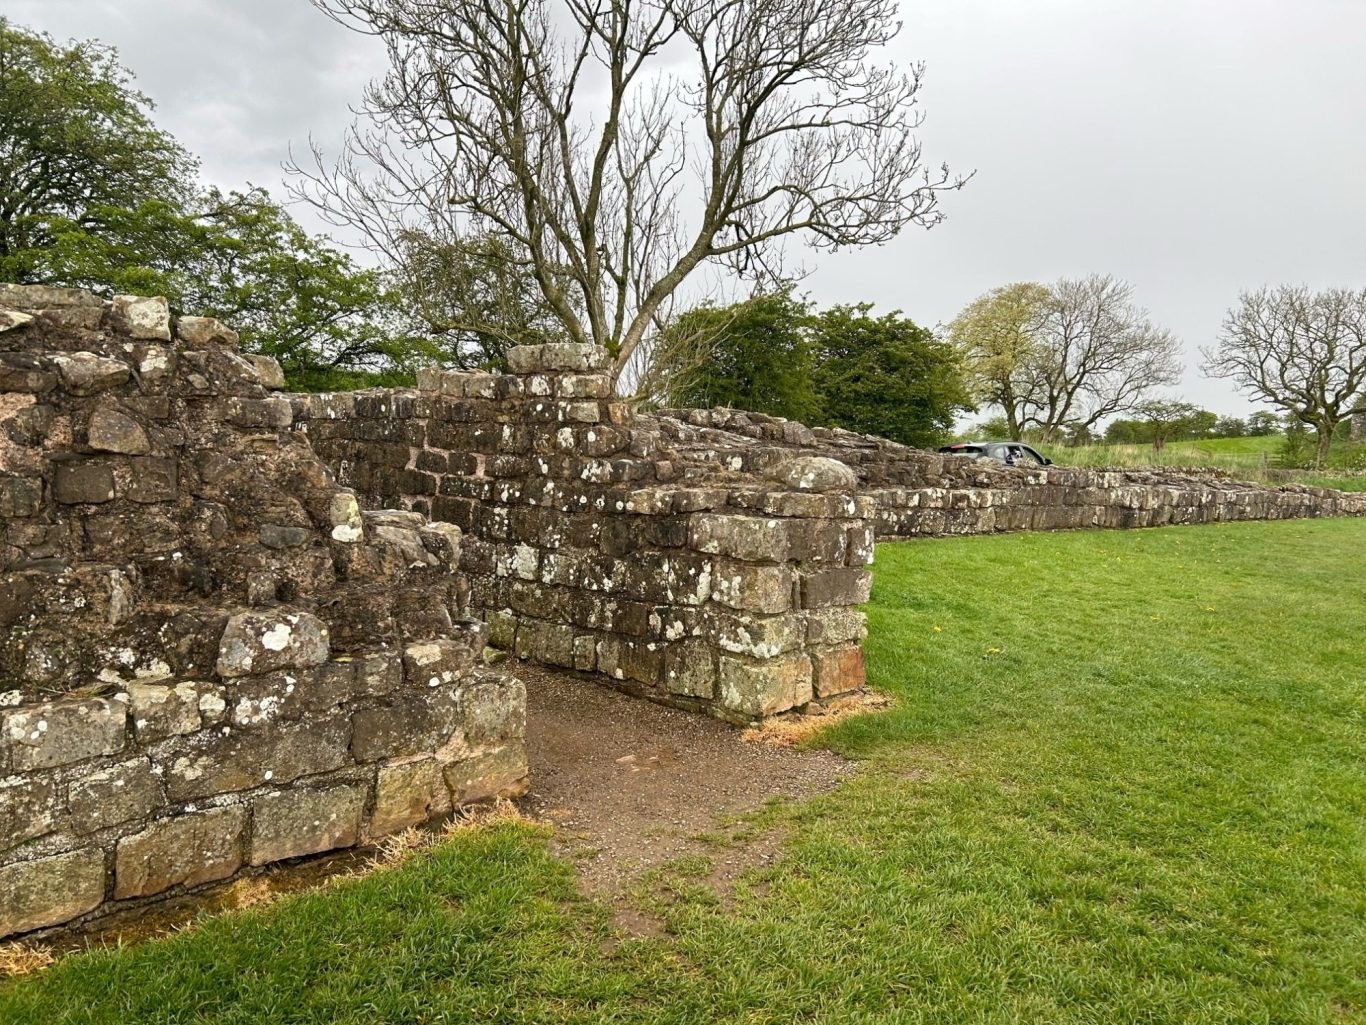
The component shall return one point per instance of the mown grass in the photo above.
(1123, 782)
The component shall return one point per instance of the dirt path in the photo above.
(628, 784)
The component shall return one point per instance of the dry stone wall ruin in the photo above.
(919, 493)
(238, 627)
(591, 544)
(211, 659)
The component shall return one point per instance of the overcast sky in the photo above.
(1193, 147)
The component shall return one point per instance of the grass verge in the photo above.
(1122, 781)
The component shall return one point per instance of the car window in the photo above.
(1028, 455)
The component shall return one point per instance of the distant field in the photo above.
(1249, 458)
(1221, 453)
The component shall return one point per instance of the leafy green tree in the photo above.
(291, 295)
(886, 376)
(83, 169)
(1261, 423)
(94, 195)
(760, 359)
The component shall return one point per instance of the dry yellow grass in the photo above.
(795, 729)
(23, 958)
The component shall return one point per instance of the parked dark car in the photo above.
(1012, 453)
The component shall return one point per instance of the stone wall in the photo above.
(210, 658)
(591, 544)
(918, 492)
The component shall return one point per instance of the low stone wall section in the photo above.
(591, 545)
(211, 659)
(918, 492)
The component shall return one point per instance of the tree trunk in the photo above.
(1324, 435)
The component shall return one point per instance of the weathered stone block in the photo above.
(423, 722)
(494, 706)
(501, 772)
(28, 807)
(25, 373)
(256, 642)
(274, 413)
(837, 671)
(302, 821)
(63, 732)
(748, 538)
(835, 587)
(201, 331)
(764, 688)
(755, 635)
(83, 481)
(20, 496)
(161, 711)
(230, 759)
(112, 431)
(143, 317)
(408, 794)
(755, 588)
(84, 373)
(120, 793)
(49, 891)
(189, 849)
(690, 668)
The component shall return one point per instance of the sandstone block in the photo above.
(837, 671)
(256, 642)
(268, 371)
(274, 413)
(754, 635)
(302, 821)
(122, 792)
(764, 688)
(344, 515)
(161, 711)
(501, 772)
(814, 473)
(748, 538)
(25, 373)
(231, 759)
(835, 587)
(201, 331)
(495, 707)
(186, 850)
(754, 588)
(836, 625)
(12, 320)
(63, 732)
(20, 496)
(112, 431)
(84, 373)
(142, 317)
(49, 891)
(689, 669)
(28, 807)
(419, 724)
(83, 482)
(408, 794)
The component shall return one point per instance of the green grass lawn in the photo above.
(1125, 781)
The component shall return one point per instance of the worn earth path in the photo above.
(630, 786)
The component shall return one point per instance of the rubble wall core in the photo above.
(211, 658)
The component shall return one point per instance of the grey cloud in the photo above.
(1195, 147)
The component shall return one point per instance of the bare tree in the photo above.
(616, 145)
(1303, 351)
(1066, 356)
(1101, 355)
